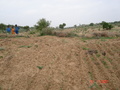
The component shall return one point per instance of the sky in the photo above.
(71, 12)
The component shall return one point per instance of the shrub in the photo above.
(2, 27)
(105, 34)
(106, 26)
(61, 34)
(47, 31)
(91, 24)
(42, 23)
(100, 34)
(118, 25)
(32, 32)
(26, 28)
(1, 48)
(65, 34)
(62, 26)
(72, 34)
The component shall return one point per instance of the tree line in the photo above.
(43, 23)
(3, 27)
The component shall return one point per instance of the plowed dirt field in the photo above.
(57, 63)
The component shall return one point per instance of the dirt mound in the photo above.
(54, 63)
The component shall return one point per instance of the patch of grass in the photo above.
(25, 46)
(27, 36)
(1, 48)
(40, 67)
(19, 36)
(84, 58)
(98, 55)
(0, 88)
(32, 32)
(103, 39)
(92, 58)
(1, 57)
(110, 60)
(64, 41)
(96, 85)
(105, 64)
(36, 46)
(91, 75)
(83, 40)
(2, 37)
(85, 48)
(108, 37)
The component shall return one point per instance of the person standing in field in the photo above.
(8, 29)
(16, 29)
(13, 30)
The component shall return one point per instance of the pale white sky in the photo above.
(71, 12)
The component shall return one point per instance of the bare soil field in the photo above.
(59, 63)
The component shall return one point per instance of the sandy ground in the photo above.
(55, 63)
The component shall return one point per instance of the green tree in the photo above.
(75, 26)
(91, 24)
(26, 28)
(42, 23)
(62, 26)
(106, 25)
(2, 27)
(110, 27)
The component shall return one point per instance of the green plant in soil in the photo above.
(40, 67)
(1, 57)
(85, 48)
(1, 48)
(105, 64)
(25, 46)
(98, 55)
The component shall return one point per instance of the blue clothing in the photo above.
(8, 30)
(17, 30)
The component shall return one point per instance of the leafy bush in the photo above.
(2, 27)
(47, 31)
(106, 26)
(91, 24)
(65, 34)
(62, 26)
(72, 34)
(26, 28)
(105, 34)
(41, 24)
(118, 25)
(1, 48)
(32, 32)
(98, 34)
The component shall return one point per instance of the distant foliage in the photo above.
(32, 32)
(91, 24)
(26, 28)
(2, 27)
(106, 25)
(75, 26)
(118, 25)
(62, 26)
(41, 24)
(65, 34)
(47, 31)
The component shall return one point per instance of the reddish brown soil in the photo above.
(66, 62)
